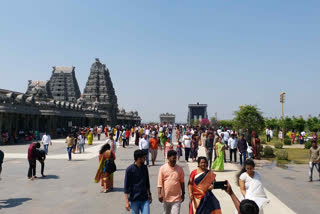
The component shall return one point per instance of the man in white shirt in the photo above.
(219, 132)
(232, 143)
(46, 140)
(148, 133)
(271, 134)
(268, 135)
(225, 138)
(186, 141)
(144, 146)
(81, 141)
(112, 143)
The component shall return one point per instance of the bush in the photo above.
(308, 144)
(268, 151)
(282, 154)
(263, 141)
(278, 145)
(287, 141)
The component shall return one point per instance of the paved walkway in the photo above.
(69, 187)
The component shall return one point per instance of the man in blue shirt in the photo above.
(137, 185)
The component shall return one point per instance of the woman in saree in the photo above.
(218, 164)
(202, 200)
(106, 178)
(256, 147)
(251, 186)
(90, 138)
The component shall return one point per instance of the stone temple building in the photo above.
(167, 118)
(63, 84)
(57, 104)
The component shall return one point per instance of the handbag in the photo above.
(109, 166)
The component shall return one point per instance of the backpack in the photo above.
(109, 166)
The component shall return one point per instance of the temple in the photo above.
(57, 104)
(63, 84)
(197, 111)
(167, 118)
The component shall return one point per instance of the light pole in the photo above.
(282, 101)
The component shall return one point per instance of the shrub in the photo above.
(282, 154)
(268, 151)
(308, 144)
(278, 145)
(287, 141)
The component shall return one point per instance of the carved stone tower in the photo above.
(99, 91)
(64, 85)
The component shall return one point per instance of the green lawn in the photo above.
(298, 156)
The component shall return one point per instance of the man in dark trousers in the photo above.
(209, 146)
(32, 157)
(41, 156)
(242, 149)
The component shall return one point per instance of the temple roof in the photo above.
(63, 69)
(41, 83)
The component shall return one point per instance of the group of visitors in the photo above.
(171, 188)
(171, 184)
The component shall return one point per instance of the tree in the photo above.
(214, 122)
(272, 123)
(249, 118)
(226, 123)
(313, 124)
(286, 124)
(192, 122)
(196, 122)
(299, 123)
(205, 122)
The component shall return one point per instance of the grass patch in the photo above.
(296, 155)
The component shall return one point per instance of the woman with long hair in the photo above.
(218, 164)
(200, 187)
(251, 185)
(105, 154)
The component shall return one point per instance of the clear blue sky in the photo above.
(166, 54)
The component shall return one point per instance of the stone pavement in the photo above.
(69, 187)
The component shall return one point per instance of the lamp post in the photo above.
(282, 101)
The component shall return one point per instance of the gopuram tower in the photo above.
(99, 92)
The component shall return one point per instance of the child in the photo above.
(179, 150)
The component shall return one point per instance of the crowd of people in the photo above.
(171, 186)
(157, 140)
